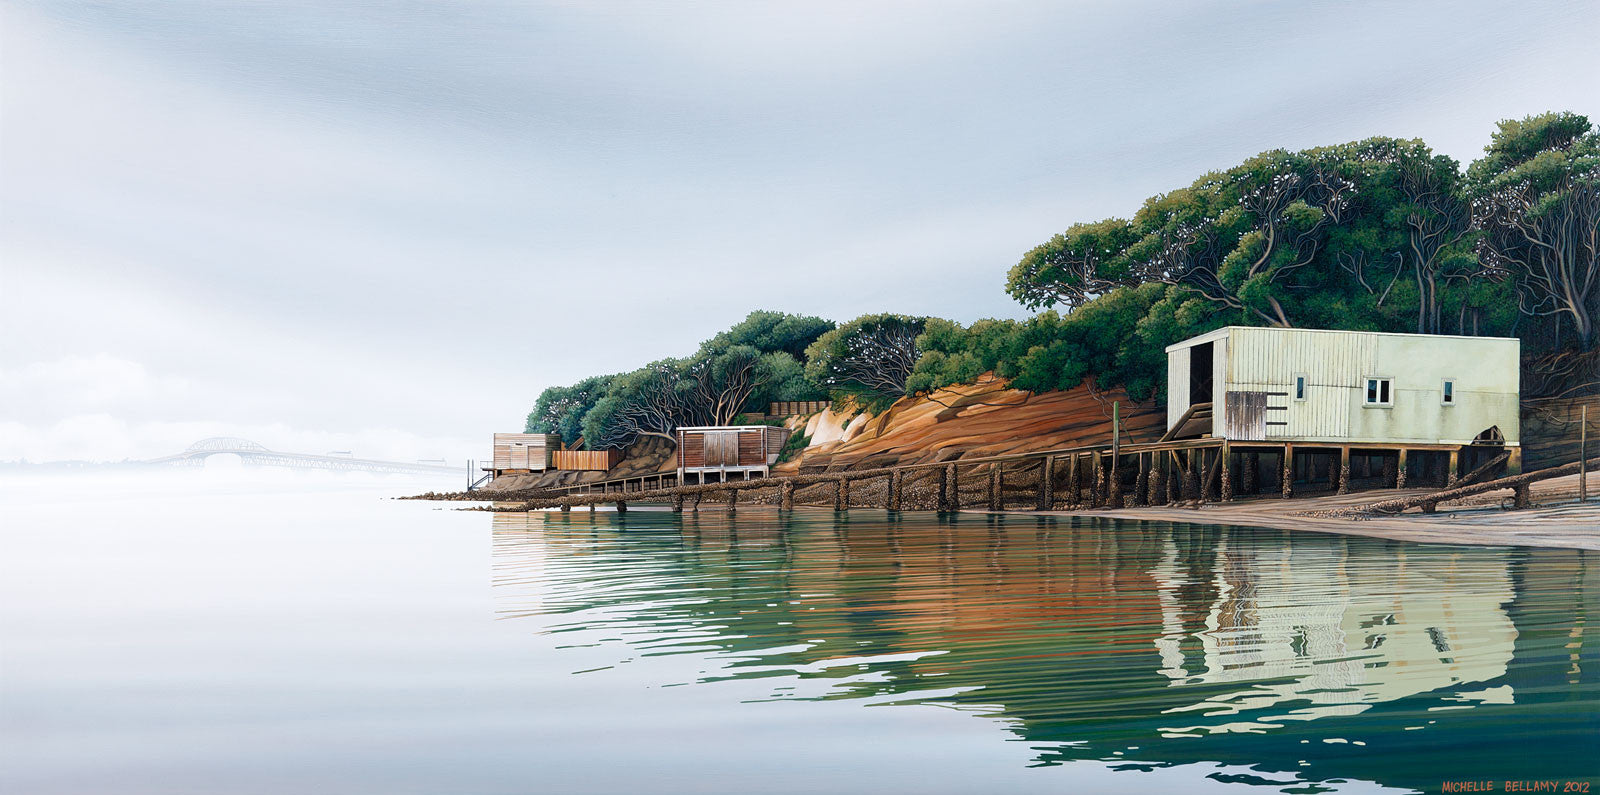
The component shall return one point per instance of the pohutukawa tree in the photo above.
(1537, 207)
(869, 358)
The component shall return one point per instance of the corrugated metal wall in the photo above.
(1267, 360)
(1177, 384)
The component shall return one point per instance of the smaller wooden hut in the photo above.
(587, 460)
(524, 452)
(725, 450)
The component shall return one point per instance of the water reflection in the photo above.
(1310, 658)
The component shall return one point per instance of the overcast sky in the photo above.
(386, 226)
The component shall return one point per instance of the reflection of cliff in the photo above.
(1337, 626)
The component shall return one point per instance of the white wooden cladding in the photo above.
(1334, 364)
(530, 451)
(1483, 371)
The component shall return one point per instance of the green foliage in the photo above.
(867, 360)
(797, 441)
(1536, 208)
(560, 409)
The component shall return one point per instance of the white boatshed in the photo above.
(1344, 387)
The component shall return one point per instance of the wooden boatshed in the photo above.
(524, 452)
(586, 460)
(1338, 393)
(712, 453)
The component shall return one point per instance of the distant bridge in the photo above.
(256, 454)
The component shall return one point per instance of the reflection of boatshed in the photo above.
(723, 449)
(524, 452)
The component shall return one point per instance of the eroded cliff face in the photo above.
(971, 420)
(964, 421)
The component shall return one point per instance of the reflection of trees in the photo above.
(1088, 641)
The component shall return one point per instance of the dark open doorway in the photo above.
(1200, 374)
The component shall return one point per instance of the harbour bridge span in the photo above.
(257, 454)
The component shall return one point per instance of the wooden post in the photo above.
(952, 481)
(1223, 454)
(1451, 473)
(1141, 482)
(1523, 496)
(1288, 472)
(566, 508)
(622, 506)
(677, 503)
(994, 486)
(1344, 470)
(733, 500)
(841, 494)
(1096, 482)
(1173, 476)
(944, 487)
(694, 503)
(1114, 482)
(1047, 476)
(1400, 469)
(892, 500)
(1074, 483)
(786, 496)
(1157, 485)
(1583, 450)
(1191, 481)
(591, 507)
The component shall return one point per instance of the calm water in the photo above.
(211, 633)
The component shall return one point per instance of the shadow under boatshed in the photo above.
(723, 450)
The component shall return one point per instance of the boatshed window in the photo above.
(1379, 391)
(1299, 386)
(1448, 395)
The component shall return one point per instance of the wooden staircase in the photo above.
(1195, 423)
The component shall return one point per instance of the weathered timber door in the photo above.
(1246, 417)
(722, 448)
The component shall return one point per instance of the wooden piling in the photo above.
(1097, 479)
(892, 499)
(1583, 450)
(1344, 470)
(841, 494)
(1047, 477)
(1114, 482)
(942, 500)
(1173, 476)
(1286, 480)
(1074, 485)
(995, 485)
(1158, 485)
(950, 487)
(1141, 483)
(733, 500)
(1451, 473)
(1223, 454)
(622, 506)
(786, 496)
